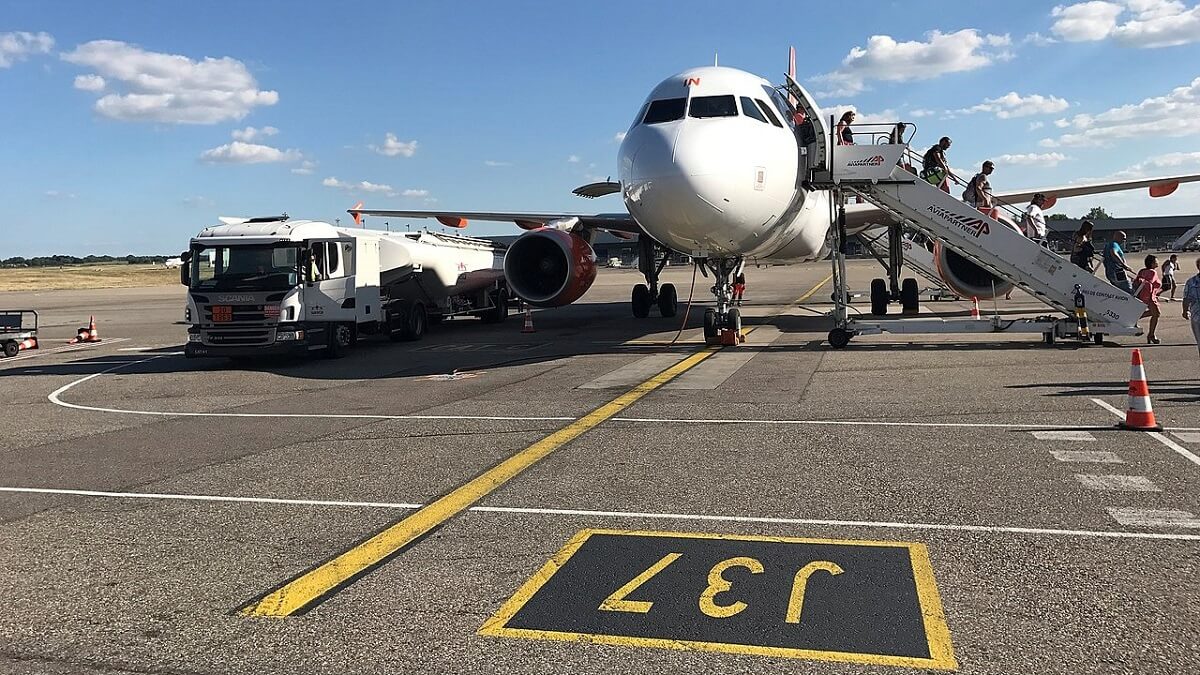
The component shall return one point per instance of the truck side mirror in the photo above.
(185, 270)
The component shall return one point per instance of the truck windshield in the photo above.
(245, 268)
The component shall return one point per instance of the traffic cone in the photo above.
(975, 308)
(1139, 414)
(28, 343)
(93, 333)
(528, 328)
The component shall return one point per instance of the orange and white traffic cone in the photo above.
(28, 343)
(93, 332)
(528, 328)
(975, 308)
(1139, 414)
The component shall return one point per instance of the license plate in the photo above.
(222, 313)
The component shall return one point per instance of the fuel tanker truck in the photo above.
(273, 285)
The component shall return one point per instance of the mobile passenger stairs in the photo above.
(1090, 307)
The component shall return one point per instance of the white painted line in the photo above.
(34, 353)
(1161, 438)
(55, 397)
(1153, 517)
(1098, 456)
(1063, 436)
(1108, 534)
(1187, 436)
(851, 423)
(209, 498)
(1116, 482)
(633, 374)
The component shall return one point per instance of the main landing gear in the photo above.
(722, 324)
(651, 262)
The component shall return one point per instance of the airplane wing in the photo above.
(863, 216)
(621, 224)
(1159, 187)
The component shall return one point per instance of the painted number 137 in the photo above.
(718, 584)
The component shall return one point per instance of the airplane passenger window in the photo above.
(751, 110)
(768, 112)
(713, 106)
(665, 110)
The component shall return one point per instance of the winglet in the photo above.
(357, 216)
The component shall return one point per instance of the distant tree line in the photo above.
(63, 260)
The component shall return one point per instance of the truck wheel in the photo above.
(499, 310)
(11, 348)
(341, 340)
(414, 323)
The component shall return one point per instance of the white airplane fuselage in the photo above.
(710, 168)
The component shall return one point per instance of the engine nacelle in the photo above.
(549, 267)
(965, 277)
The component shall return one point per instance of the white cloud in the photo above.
(361, 186)
(1168, 163)
(1038, 40)
(1173, 115)
(59, 194)
(198, 202)
(620, 136)
(306, 168)
(492, 162)
(239, 152)
(161, 87)
(393, 146)
(921, 112)
(251, 133)
(887, 60)
(573, 159)
(19, 45)
(415, 193)
(1034, 126)
(1046, 159)
(89, 83)
(1134, 23)
(1013, 104)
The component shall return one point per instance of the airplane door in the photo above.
(814, 132)
(329, 280)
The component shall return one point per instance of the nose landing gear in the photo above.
(723, 324)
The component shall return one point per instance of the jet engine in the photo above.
(548, 267)
(965, 277)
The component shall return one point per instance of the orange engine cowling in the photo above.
(966, 278)
(549, 268)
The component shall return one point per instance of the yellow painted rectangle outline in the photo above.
(937, 633)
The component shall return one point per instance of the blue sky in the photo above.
(128, 127)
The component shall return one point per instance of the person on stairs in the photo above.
(1191, 303)
(979, 191)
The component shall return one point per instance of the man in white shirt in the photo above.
(1191, 303)
(1034, 221)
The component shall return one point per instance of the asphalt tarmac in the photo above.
(491, 501)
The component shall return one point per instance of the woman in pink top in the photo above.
(1146, 286)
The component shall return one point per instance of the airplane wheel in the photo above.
(641, 301)
(839, 337)
(733, 321)
(879, 297)
(710, 324)
(910, 296)
(668, 300)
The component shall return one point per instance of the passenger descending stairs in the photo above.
(995, 247)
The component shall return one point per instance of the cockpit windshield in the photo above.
(245, 267)
(713, 106)
(665, 110)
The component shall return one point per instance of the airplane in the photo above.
(171, 263)
(713, 167)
